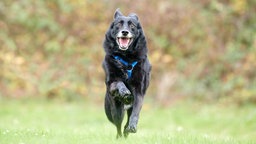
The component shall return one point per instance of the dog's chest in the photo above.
(128, 68)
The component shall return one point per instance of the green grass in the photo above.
(41, 122)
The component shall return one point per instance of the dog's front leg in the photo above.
(118, 89)
(133, 120)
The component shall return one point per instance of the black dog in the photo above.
(127, 71)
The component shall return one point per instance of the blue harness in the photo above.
(129, 66)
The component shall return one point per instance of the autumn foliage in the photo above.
(200, 49)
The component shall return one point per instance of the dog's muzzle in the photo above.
(124, 38)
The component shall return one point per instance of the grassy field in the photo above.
(42, 122)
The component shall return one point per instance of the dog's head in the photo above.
(124, 29)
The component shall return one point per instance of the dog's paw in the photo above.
(124, 92)
(130, 129)
(127, 99)
(125, 95)
(114, 93)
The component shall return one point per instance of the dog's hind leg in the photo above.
(118, 116)
(108, 106)
(134, 116)
(115, 113)
(129, 112)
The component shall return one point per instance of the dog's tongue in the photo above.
(124, 42)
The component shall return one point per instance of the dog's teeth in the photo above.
(124, 42)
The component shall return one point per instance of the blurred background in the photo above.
(199, 49)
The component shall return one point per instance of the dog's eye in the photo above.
(132, 26)
(119, 25)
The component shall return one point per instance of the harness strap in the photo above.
(128, 65)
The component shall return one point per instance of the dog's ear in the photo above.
(117, 13)
(112, 25)
(133, 15)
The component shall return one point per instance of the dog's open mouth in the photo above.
(124, 42)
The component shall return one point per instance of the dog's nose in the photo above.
(125, 33)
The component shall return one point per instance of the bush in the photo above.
(54, 48)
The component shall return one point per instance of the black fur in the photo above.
(120, 90)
